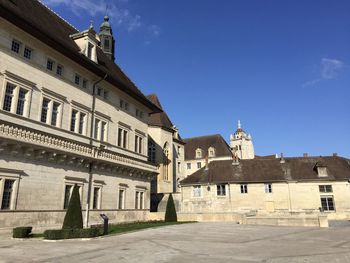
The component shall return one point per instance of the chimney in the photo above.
(335, 154)
(282, 159)
(305, 155)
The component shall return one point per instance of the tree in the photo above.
(74, 216)
(170, 213)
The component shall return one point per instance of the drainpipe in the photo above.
(87, 206)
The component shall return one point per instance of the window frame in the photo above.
(18, 84)
(121, 141)
(221, 190)
(121, 204)
(244, 188)
(71, 182)
(197, 193)
(268, 188)
(323, 188)
(327, 203)
(49, 115)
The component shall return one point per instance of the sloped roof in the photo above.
(204, 143)
(42, 23)
(159, 119)
(271, 170)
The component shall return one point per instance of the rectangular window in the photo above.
(99, 91)
(89, 51)
(188, 166)
(125, 138)
(73, 120)
(55, 112)
(137, 113)
(27, 53)
(325, 188)
(81, 122)
(268, 188)
(44, 110)
(7, 194)
(179, 167)
(221, 189)
(97, 128)
(121, 199)
(199, 165)
(126, 107)
(121, 104)
(16, 46)
(77, 79)
(327, 203)
(141, 200)
(106, 44)
(105, 94)
(137, 194)
(120, 134)
(85, 82)
(49, 64)
(244, 188)
(59, 70)
(197, 191)
(8, 97)
(21, 101)
(67, 193)
(103, 131)
(97, 198)
(138, 144)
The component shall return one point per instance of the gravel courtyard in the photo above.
(198, 242)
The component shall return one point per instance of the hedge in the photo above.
(22, 232)
(170, 212)
(71, 233)
(73, 217)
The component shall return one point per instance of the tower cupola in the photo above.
(107, 41)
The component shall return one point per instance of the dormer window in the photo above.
(211, 152)
(199, 153)
(321, 170)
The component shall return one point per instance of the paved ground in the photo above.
(199, 242)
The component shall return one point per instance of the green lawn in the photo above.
(114, 229)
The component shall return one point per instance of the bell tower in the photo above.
(106, 38)
(241, 144)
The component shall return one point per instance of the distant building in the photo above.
(303, 185)
(199, 150)
(241, 144)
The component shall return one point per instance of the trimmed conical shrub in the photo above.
(74, 216)
(170, 213)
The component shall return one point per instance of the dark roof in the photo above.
(42, 23)
(159, 119)
(271, 170)
(204, 143)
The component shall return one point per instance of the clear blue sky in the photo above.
(280, 66)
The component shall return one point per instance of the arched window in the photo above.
(151, 151)
(166, 162)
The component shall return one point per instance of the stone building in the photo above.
(200, 150)
(300, 185)
(241, 144)
(166, 149)
(68, 115)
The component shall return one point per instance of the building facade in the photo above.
(241, 144)
(304, 185)
(166, 149)
(68, 115)
(203, 149)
